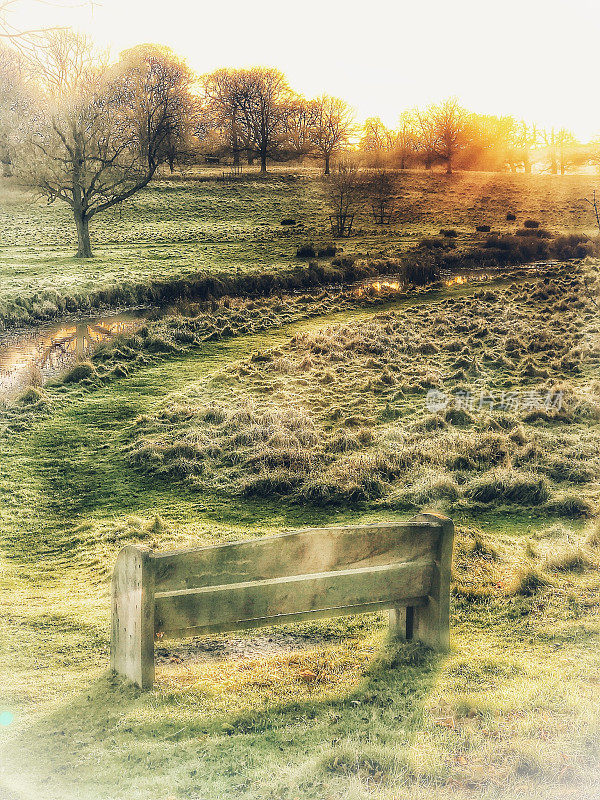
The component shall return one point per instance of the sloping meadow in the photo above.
(477, 402)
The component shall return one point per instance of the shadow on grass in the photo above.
(114, 736)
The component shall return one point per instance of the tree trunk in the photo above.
(449, 167)
(263, 163)
(84, 246)
(327, 165)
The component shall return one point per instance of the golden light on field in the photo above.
(534, 59)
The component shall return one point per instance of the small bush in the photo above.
(421, 271)
(432, 243)
(483, 228)
(529, 581)
(287, 221)
(31, 396)
(449, 233)
(571, 505)
(327, 251)
(575, 245)
(306, 251)
(541, 233)
(80, 372)
(509, 486)
(511, 217)
(531, 223)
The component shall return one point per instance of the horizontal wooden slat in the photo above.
(270, 601)
(296, 553)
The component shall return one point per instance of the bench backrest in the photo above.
(303, 574)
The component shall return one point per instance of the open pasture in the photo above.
(316, 420)
(203, 226)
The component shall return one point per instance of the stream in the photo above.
(35, 355)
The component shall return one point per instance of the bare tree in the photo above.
(450, 125)
(380, 186)
(561, 151)
(405, 144)
(333, 126)
(226, 107)
(14, 104)
(346, 193)
(28, 40)
(100, 140)
(251, 107)
(525, 138)
(299, 122)
(377, 142)
(268, 107)
(426, 137)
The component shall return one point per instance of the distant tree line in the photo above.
(448, 135)
(82, 130)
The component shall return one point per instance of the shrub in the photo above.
(509, 486)
(541, 233)
(421, 271)
(267, 484)
(575, 245)
(432, 243)
(531, 223)
(483, 228)
(287, 221)
(344, 261)
(306, 251)
(81, 371)
(327, 251)
(31, 396)
(449, 233)
(570, 504)
(529, 581)
(511, 217)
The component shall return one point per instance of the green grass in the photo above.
(340, 416)
(181, 230)
(512, 712)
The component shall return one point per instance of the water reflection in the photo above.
(391, 284)
(380, 286)
(36, 355)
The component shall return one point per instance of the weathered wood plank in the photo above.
(268, 601)
(284, 619)
(132, 628)
(296, 553)
(432, 620)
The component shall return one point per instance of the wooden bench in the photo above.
(306, 574)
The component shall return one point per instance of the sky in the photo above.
(534, 59)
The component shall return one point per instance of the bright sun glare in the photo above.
(534, 59)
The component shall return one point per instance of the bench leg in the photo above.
(402, 623)
(432, 620)
(132, 629)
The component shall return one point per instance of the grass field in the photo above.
(186, 229)
(231, 421)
